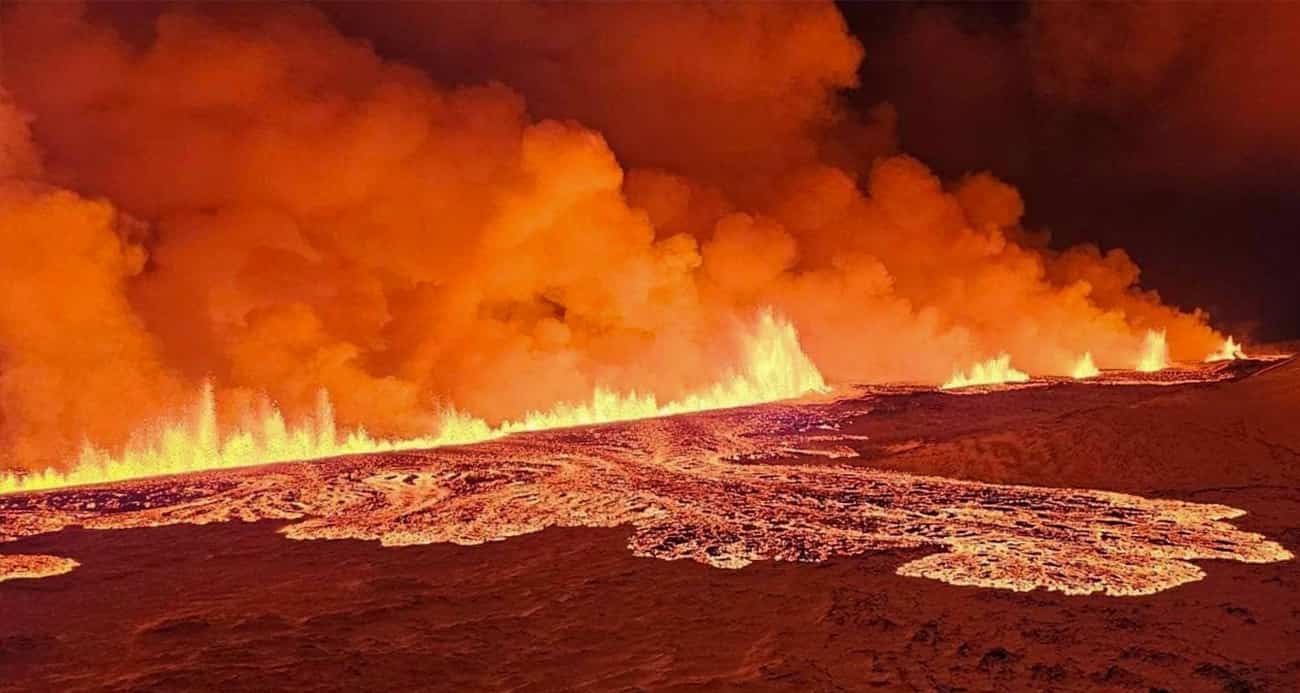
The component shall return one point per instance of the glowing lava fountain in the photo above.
(1155, 353)
(991, 372)
(1229, 351)
(774, 367)
(1085, 368)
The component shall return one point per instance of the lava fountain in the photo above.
(1085, 368)
(773, 367)
(1155, 352)
(994, 371)
(1230, 351)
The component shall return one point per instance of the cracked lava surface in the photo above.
(724, 488)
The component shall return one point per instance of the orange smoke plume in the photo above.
(245, 197)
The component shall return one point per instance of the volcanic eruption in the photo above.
(455, 274)
(311, 217)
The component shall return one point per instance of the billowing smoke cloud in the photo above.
(265, 203)
(731, 95)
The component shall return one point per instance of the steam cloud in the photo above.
(579, 196)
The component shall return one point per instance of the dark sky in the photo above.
(1171, 131)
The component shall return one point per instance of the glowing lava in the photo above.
(716, 487)
(991, 372)
(774, 368)
(1155, 352)
(33, 566)
(1085, 368)
(1229, 351)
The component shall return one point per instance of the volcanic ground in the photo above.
(1132, 533)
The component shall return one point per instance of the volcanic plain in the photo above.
(1122, 534)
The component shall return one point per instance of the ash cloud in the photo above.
(570, 196)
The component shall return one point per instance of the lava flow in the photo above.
(774, 368)
(717, 487)
(475, 305)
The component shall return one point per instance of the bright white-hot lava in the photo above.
(991, 372)
(1085, 368)
(774, 367)
(1230, 351)
(1155, 352)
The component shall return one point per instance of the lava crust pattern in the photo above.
(724, 488)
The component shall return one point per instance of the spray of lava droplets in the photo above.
(1155, 353)
(1230, 351)
(1085, 368)
(991, 372)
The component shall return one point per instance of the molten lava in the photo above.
(774, 368)
(1085, 368)
(31, 566)
(724, 488)
(1155, 352)
(991, 372)
(1230, 351)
